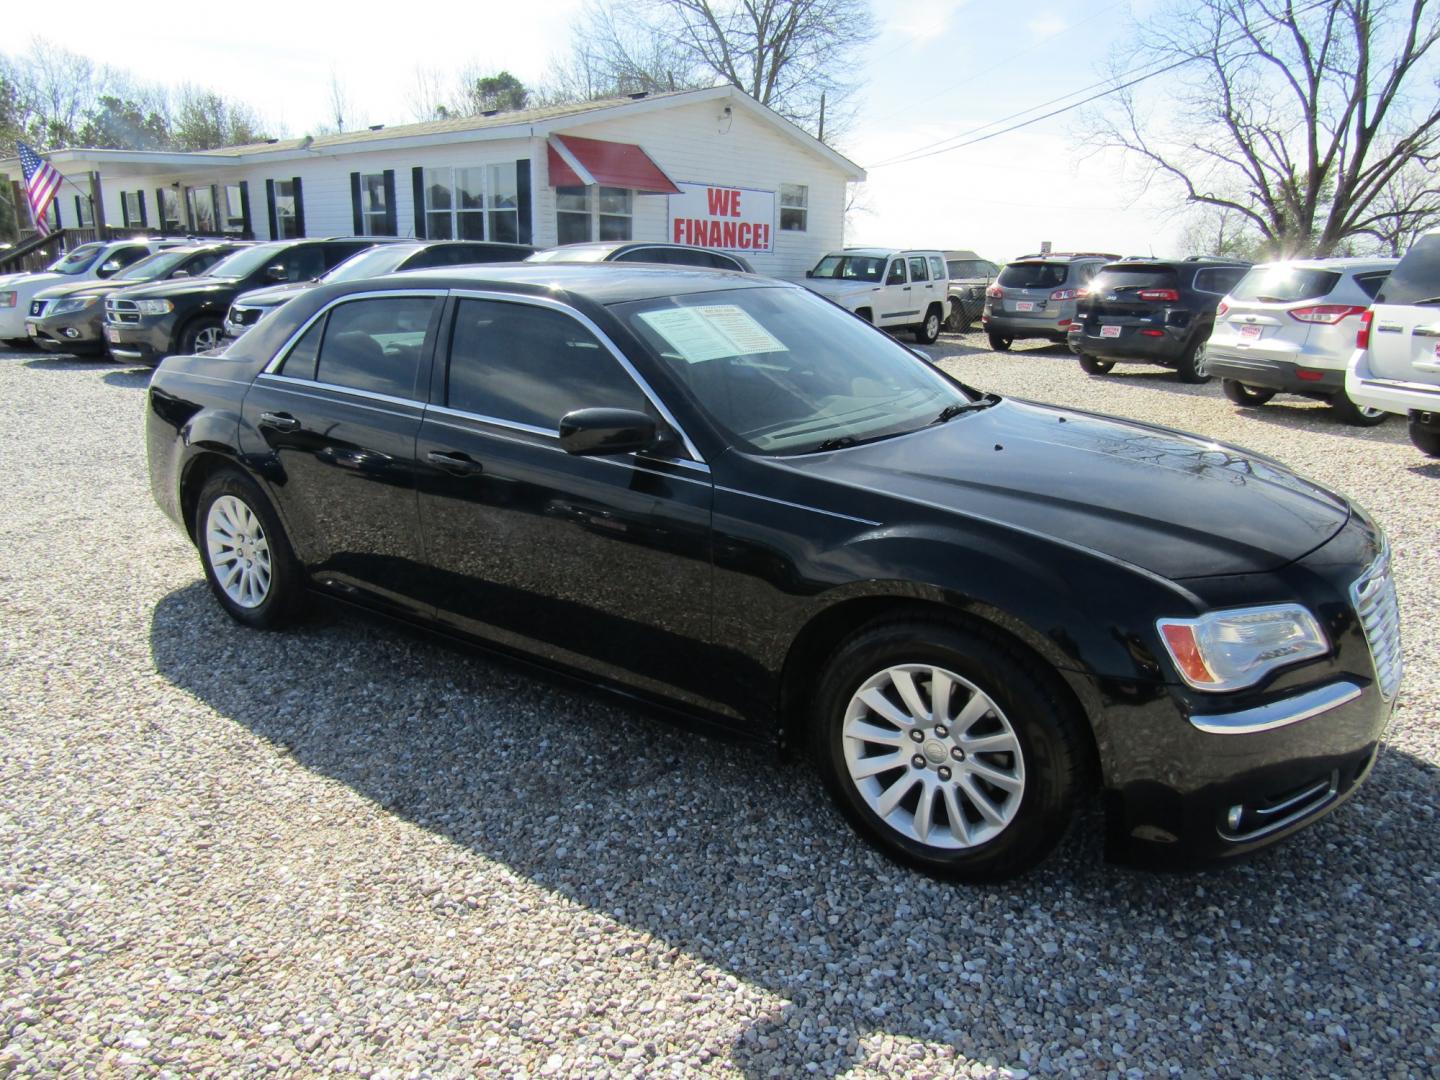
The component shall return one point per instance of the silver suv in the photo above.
(1034, 296)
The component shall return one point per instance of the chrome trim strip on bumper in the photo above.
(1278, 714)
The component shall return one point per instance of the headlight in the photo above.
(7, 299)
(68, 307)
(154, 307)
(1229, 650)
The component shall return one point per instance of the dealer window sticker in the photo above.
(712, 331)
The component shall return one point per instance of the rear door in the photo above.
(1405, 329)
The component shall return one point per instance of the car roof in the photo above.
(603, 283)
(1347, 263)
(882, 252)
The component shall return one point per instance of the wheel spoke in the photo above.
(1000, 742)
(872, 733)
(974, 710)
(872, 766)
(894, 793)
(940, 686)
(994, 776)
(959, 827)
(237, 570)
(925, 809)
(910, 694)
(980, 800)
(878, 703)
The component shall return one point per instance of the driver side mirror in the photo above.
(180, 274)
(276, 273)
(809, 273)
(108, 267)
(592, 432)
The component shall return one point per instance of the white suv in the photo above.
(1289, 327)
(899, 290)
(1396, 363)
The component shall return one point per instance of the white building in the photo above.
(708, 167)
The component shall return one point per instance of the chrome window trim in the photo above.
(378, 294)
(1278, 714)
(602, 337)
(736, 267)
(302, 387)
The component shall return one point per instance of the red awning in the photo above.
(576, 162)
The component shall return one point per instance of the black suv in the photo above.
(249, 308)
(1152, 311)
(147, 323)
(644, 252)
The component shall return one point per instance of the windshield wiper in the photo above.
(840, 442)
(952, 411)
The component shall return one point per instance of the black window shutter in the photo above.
(270, 209)
(417, 185)
(140, 202)
(247, 230)
(359, 219)
(56, 204)
(391, 226)
(124, 211)
(215, 209)
(522, 199)
(160, 211)
(79, 212)
(299, 206)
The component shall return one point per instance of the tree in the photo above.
(487, 93)
(792, 55)
(471, 92)
(204, 120)
(1296, 115)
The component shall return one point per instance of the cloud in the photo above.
(1046, 24)
(920, 20)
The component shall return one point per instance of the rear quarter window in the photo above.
(1417, 277)
(1285, 284)
(1370, 283)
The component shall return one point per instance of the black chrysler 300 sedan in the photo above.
(724, 493)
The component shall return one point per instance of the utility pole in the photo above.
(821, 136)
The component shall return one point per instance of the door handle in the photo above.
(1433, 330)
(453, 461)
(906, 289)
(279, 421)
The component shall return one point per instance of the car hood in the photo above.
(189, 286)
(32, 282)
(1175, 504)
(83, 288)
(273, 294)
(834, 288)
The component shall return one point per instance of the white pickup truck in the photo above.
(898, 290)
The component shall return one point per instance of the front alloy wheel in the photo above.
(238, 551)
(929, 330)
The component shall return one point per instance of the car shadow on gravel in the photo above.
(734, 856)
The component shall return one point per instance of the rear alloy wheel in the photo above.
(202, 336)
(1356, 415)
(247, 557)
(1241, 394)
(1000, 342)
(1191, 367)
(946, 750)
(1426, 439)
(929, 330)
(1092, 366)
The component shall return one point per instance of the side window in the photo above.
(299, 363)
(1219, 281)
(1370, 283)
(721, 262)
(335, 254)
(302, 263)
(531, 365)
(375, 344)
(917, 268)
(126, 256)
(937, 267)
(1088, 272)
(200, 263)
(896, 276)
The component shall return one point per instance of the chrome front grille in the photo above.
(121, 312)
(1373, 595)
(37, 307)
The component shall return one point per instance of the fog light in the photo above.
(1232, 819)
(1309, 376)
(71, 332)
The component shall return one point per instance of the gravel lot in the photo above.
(349, 849)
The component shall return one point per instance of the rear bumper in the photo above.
(1276, 375)
(1167, 349)
(1049, 324)
(1400, 396)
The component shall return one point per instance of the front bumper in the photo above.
(79, 332)
(1276, 374)
(147, 341)
(1402, 396)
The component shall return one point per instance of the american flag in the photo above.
(41, 184)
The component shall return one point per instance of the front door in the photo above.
(598, 563)
(335, 427)
(895, 304)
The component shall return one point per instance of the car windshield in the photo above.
(1034, 275)
(1283, 284)
(1130, 278)
(1416, 279)
(77, 261)
(372, 262)
(152, 266)
(782, 371)
(850, 267)
(246, 261)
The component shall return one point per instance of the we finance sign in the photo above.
(725, 218)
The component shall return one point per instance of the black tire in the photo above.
(928, 331)
(1249, 396)
(1355, 415)
(1094, 366)
(999, 342)
(1028, 707)
(198, 333)
(19, 344)
(284, 592)
(1426, 439)
(1191, 366)
(958, 322)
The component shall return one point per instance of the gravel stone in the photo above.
(348, 849)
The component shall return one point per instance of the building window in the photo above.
(374, 213)
(794, 207)
(287, 219)
(169, 208)
(603, 213)
(233, 210)
(454, 204)
(502, 202)
(84, 216)
(200, 201)
(132, 207)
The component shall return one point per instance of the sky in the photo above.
(937, 68)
